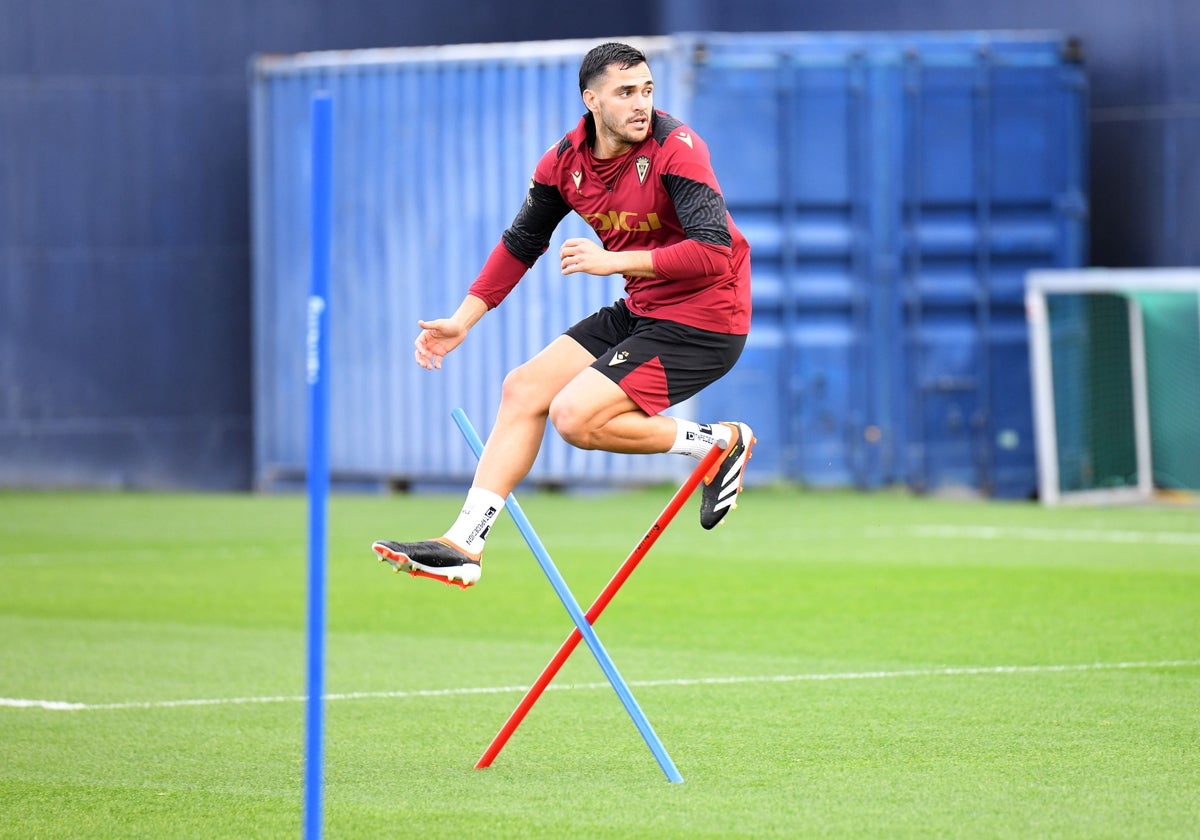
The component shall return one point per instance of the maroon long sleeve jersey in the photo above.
(661, 196)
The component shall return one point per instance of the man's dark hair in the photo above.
(597, 61)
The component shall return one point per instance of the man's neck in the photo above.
(603, 151)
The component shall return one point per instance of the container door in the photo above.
(788, 136)
(991, 190)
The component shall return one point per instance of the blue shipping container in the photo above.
(894, 189)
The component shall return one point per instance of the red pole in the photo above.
(598, 606)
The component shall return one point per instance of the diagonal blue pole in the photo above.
(576, 612)
(317, 375)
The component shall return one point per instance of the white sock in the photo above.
(696, 439)
(479, 512)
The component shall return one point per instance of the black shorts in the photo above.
(657, 363)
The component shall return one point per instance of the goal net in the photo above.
(1115, 365)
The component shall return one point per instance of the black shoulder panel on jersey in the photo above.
(701, 210)
(664, 124)
(563, 145)
(528, 237)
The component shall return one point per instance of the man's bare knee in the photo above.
(524, 391)
(572, 425)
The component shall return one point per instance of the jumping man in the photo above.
(644, 182)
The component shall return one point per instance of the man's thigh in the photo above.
(594, 399)
(541, 378)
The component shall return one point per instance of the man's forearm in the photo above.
(470, 311)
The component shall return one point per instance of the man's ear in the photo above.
(590, 101)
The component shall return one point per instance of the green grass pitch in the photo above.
(823, 665)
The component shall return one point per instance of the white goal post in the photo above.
(1124, 284)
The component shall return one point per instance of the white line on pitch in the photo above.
(1079, 535)
(63, 706)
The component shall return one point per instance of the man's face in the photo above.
(622, 102)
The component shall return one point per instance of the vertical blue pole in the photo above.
(317, 369)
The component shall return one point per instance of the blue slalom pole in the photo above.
(317, 375)
(576, 612)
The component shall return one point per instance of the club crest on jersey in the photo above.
(643, 166)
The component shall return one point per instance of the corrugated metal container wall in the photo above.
(433, 150)
(795, 171)
(895, 189)
(995, 151)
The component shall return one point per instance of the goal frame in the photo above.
(1039, 285)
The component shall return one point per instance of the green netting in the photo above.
(1093, 393)
(1093, 388)
(1172, 322)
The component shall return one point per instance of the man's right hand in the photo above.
(437, 338)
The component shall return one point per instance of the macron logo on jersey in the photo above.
(686, 138)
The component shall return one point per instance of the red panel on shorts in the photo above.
(647, 386)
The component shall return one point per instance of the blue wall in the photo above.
(125, 350)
